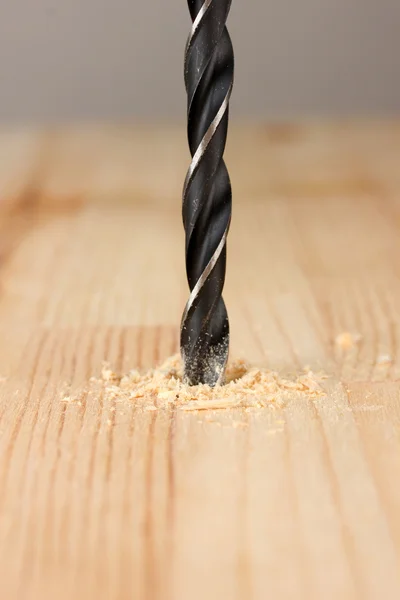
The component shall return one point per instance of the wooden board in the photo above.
(101, 501)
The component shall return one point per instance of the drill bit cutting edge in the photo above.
(207, 195)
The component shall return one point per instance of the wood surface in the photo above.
(102, 501)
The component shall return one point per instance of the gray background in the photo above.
(79, 59)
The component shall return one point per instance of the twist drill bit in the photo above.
(207, 194)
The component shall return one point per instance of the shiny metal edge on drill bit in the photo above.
(206, 140)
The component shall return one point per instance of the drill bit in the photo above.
(207, 194)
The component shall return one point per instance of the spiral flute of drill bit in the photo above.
(207, 195)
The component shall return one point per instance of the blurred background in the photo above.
(117, 59)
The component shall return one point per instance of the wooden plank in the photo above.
(101, 500)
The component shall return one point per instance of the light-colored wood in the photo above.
(298, 503)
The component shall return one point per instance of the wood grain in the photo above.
(101, 500)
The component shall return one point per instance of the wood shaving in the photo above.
(67, 399)
(212, 404)
(107, 374)
(347, 340)
(384, 359)
(246, 387)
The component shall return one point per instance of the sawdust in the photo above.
(245, 387)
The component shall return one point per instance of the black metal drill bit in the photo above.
(207, 195)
